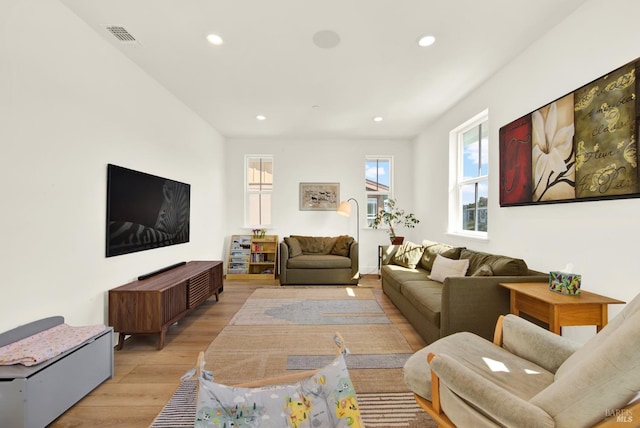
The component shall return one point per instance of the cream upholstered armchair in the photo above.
(530, 377)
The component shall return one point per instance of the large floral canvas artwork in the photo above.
(606, 154)
(552, 156)
(579, 147)
(515, 162)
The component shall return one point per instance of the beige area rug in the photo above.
(277, 324)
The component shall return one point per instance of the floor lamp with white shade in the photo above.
(344, 209)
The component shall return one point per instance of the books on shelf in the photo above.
(261, 258)
(252, 256)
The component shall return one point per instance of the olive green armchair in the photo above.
(319, 260)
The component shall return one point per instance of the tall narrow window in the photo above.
(469, 174)
(258, 190)
(378, 184)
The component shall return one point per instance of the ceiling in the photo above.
(270, 64)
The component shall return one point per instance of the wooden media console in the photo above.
(152, 305)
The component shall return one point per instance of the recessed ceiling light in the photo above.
(214, 39)
(261, 117)
(425, 41)
(378, 119)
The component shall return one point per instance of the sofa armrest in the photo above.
(354, 255)
(283, 258)
(474, 303)
(485, 396)
(535, 344)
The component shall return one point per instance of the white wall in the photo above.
(71, 104)
(340, 161)
(599, 238)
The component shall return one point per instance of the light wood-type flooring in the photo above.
(146, 378)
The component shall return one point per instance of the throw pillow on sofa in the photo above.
(408, 255)
(444, 268)
(294, 247)
(483, 270)
(500, 265)
(342, 245)
(432, 249)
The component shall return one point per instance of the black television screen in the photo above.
(144, 211)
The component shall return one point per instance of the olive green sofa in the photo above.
(438, 308)
(318, 260)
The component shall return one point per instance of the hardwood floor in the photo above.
(145, 378)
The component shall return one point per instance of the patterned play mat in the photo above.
(377, 410)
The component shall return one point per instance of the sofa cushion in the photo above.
(501, 265)
(316, 244)
(319, 261)
(483, 270)
(426, 296)
(402, 274)
(444, 268)
(342, 245)
(294, 247)
(432, 249)
(408, 255)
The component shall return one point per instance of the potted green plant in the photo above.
(392, 216)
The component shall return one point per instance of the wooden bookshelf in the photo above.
(252, 257)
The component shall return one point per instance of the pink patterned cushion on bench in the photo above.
(47, 344)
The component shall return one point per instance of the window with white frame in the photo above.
(258, 190)
(469, 177)
(378, 184)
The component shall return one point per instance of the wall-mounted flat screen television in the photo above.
(144, 211)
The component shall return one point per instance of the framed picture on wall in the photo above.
(319, 196)
(580, 147)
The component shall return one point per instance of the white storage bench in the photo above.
(34, 396)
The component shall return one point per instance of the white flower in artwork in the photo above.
(552, 154)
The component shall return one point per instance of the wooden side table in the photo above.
(559, 310)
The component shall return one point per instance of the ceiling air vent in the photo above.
(121, 34)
